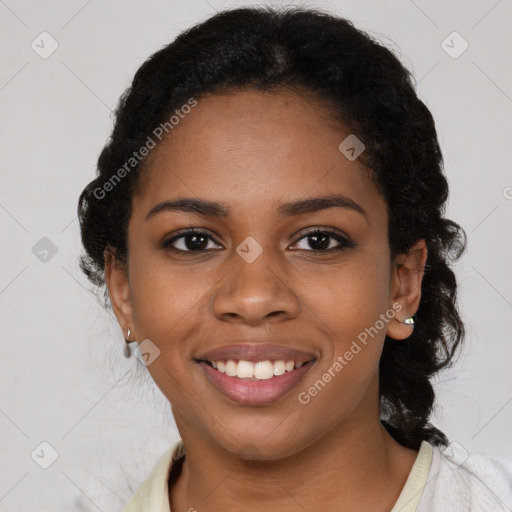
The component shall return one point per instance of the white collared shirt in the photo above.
(448, 481)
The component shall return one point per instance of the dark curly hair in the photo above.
(367, 90)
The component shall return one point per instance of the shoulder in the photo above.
(136, 503)
(152, 494)
(460, 481)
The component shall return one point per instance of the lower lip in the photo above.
(255, 392)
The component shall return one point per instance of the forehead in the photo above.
(253, 148)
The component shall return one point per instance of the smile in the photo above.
(258, 370)
(255, 383)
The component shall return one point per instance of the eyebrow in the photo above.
(222, 210)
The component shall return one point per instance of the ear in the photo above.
(407, 275)
(116, 277)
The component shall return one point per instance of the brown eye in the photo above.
(192, 240)
(321, 240)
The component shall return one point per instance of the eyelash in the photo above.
(345, 242)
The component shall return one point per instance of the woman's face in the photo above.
(257, 279)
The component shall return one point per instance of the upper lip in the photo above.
(256, 352)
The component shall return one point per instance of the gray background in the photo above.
(63, 376)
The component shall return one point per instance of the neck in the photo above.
(348, 469)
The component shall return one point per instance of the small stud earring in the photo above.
(409, 321)
(127, 350)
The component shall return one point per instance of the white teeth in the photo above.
(231, 367)
(263, 370)
(279, 367)
(260, 370)
(245, 369)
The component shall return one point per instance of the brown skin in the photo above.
(254, 151)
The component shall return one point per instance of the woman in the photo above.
(268, 222)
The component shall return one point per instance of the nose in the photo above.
(255, 293)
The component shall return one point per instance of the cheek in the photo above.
(167, 299)
(167, 306)
(349, 303)
(350, 299)
(170, 308)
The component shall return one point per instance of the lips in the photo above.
(255, 373)
(256, 352)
